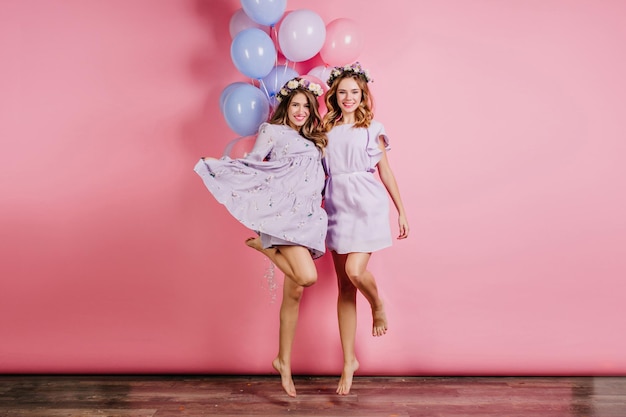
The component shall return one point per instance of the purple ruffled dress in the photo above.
(356, 201)
(276, 190)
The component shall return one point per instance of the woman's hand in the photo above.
(403, 226)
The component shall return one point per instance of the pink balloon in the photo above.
(240, 21)
(343, 42)
(301, 35)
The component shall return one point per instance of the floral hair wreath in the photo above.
(354, 69)
(296, 83)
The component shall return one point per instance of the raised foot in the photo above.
(379, 325)
(255, 243)
(345, 382)
(285, 377)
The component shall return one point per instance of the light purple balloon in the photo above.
(277, 77)
(253, 53)
(301, 35)
(226, 91)
(245, 108)
(265, 12)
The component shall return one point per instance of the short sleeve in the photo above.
(375, 133)
(263, 144)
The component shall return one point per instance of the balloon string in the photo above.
(274, 32)
(267, 93)
(276, 86)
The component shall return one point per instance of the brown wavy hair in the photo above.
(312, 128)
(363, 114)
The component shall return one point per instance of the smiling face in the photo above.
(298, 111)
(349, 95)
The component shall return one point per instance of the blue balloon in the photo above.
(245, 108)
(278, 76)
(253, 53)
(226, 91)
(265, 12)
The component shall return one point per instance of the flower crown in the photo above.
(354, 69)
(296, 83)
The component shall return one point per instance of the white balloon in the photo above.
(322, 72)
(301, 35)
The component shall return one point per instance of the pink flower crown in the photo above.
(354, 69)
(296, 83)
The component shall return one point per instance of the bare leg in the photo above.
(356, 270)
(299, 269)
(292, 293)
(346, 313)
(294, 261)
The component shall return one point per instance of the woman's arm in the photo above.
(262, 146)
(389, 181)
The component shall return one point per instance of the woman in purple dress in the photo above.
(276, 191)
(357, 203)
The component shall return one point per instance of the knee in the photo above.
(308, 279)
(296, 294)
(356, 277)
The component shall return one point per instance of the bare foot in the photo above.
(345, 382)
(285, 377)
(379, 326)
(255, 243)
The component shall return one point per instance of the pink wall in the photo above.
(508, 134)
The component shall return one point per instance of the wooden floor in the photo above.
(148, 396)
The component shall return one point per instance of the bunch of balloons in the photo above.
(298, 36)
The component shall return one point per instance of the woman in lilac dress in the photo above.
(357, 203)
(276, 191)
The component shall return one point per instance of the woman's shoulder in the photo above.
(263, 127)
(266, 126)
(376, 125)
(373, 125)
(377, 128)
(272, 128)
(276, 127)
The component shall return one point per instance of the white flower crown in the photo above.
(354, 69)
(296, 83)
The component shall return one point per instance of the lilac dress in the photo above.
(276, 190)
(356, 201)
